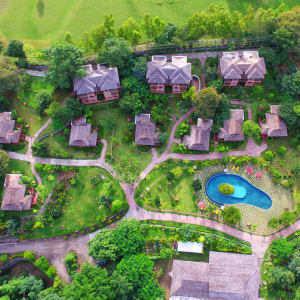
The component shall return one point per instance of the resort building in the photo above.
(232, 130)
(274, 126)
(15, 197)
(101, 83)
(145, 133)
(200, 135)
(242, 66)
(8, 133)
(226, 276)
(82, 134)
(175, 74)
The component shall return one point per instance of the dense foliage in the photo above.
(226, 189)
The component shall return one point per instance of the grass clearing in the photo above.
(20, 19)
(81, 208)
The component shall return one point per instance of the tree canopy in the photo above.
(15, 49)
(9, 76)
(4, 159)
(250, 128)
(64, 64)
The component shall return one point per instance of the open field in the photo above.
(21, 20)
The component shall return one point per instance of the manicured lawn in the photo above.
(121, 149)
(58, 146)
(81, 207)
(20, 20)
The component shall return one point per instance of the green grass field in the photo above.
(20, 19)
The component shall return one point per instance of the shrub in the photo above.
(116, 206)
(71, 262)
(42, 263)
(29, 255)
(226, 189)
(3, 258)
(281, 150)
(268, 156)
(51, 272)
(288, 218)
(274, 223)
(231, 215)
(294, 141)
(163, 138)
(238, 162)
(197, 186)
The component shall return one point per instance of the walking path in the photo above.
(55, 249)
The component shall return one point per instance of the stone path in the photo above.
(55, 249)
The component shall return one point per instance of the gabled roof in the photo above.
(233, 128)
(178, 71)
(242, 65)
(274, 126)
(227, 276)
(81, 134)
(200, 135)
(14, 197)
(145, 131)
(7, 133)
(102, 79)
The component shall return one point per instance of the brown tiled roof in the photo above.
(242, 65)
(104, 78)
(233, 127)
(227, 276)
(81, 134)
(145, 131)
(200, 135)
(274, 126)
(14, 197)
(7, 133)
(178, 71)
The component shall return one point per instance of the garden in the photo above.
(82, 198)
(179, 187)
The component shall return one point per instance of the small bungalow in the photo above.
(82, 134)
(200, 135)
(145, 133)
(15, 197)
(232, 130)
(226, 276)
(101, 79)
(242, 66)
(175, 74)
(274, 126)
(8, 133)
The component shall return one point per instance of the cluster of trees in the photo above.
(284, 279)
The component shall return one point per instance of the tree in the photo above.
(138, 272)
(294, 264)
(130, 31)
(4, 105)
(4, 159)
(39, 149)
(132, 103)
(282, 278)
(42, 263)
(105, 200)
(206, 102)
(163, 138)
(286, 112)
(231, 215)
(90, 283)
(139, 68)
(288, 218)
(72, 109)
(129, 238)
(116, 206)
(281, 249)
(102, 246)
(166, 253)
(290, 84)
(43, 99)
(23, 287)
(186, 233)
(9, 76)
(15, 49)
(153, 27)
(64, 64)
(250, 128)
(167, 35)
(196, 184)
(116, 52)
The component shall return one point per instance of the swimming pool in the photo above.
(254, 196)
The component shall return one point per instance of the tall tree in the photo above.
(116, 52)
(206, 102)
(90, 283)
(4, 159)
(130, 31)
(250, 128)
(15, 49)
(153, 27)
(64, 64)
(9, 76)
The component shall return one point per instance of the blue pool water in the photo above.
(253, 195)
